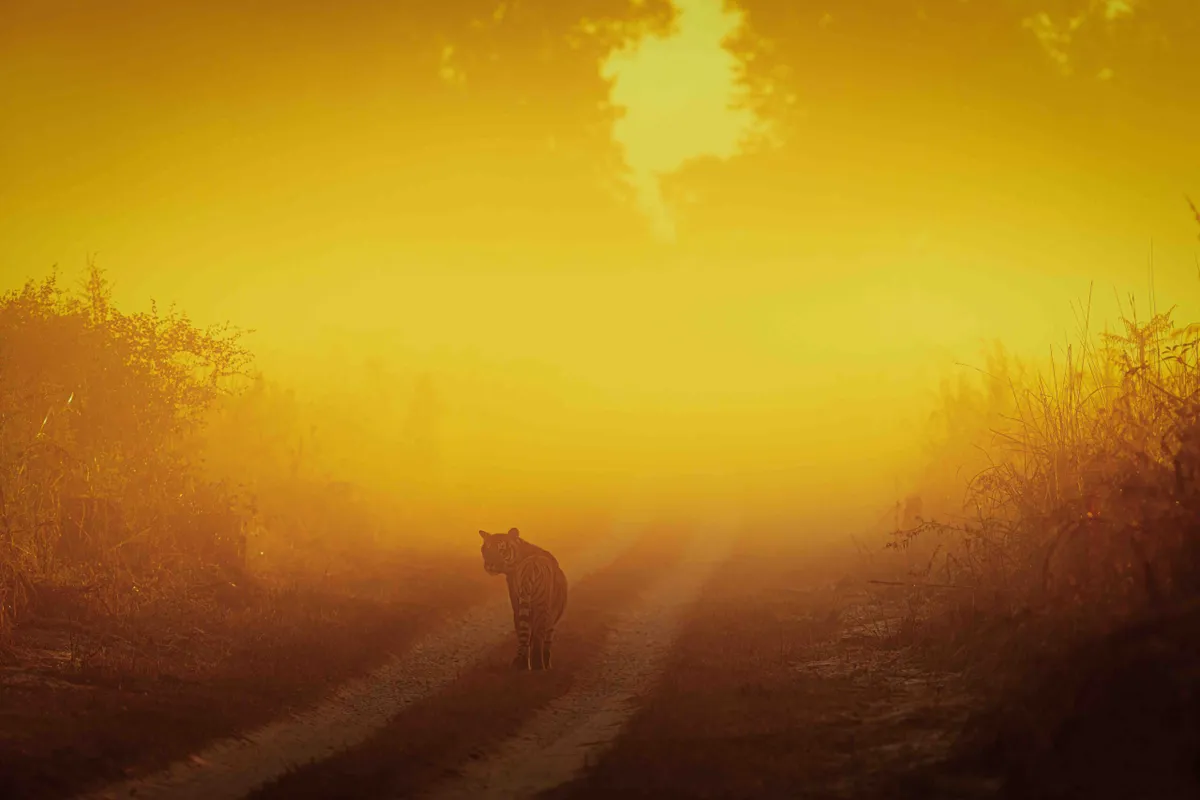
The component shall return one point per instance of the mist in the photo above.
(837, 361)
(477, 318)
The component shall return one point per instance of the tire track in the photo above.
(561, 740)
(232, 768)
(490, 702)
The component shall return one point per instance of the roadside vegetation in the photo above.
(1066, 574)
(169, 549)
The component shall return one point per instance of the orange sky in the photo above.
(758, 300)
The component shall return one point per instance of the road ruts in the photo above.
(490, 702)
(232, 768)
(560, 741)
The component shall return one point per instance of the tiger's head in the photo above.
(500, 551)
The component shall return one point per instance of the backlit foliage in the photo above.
(101, 404)
(1082, 491)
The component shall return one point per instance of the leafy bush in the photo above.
(96, 411)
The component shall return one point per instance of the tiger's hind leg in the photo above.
(523, 660)
(547, 639)
(537, 653)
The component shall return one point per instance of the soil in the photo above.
(685, 667)
(81, 705)
(784, 684)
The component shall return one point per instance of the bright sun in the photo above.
(678, 95)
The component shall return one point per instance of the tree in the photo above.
(1028, 51)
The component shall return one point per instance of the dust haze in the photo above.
(806, 326)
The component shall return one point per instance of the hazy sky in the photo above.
(731, 246)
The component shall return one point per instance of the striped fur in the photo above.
(537, 589)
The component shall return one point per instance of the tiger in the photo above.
(537, 589)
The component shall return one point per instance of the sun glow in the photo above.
(483, 293)
(679, 97)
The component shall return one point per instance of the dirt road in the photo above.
(563, 738)
(234, 767)
(686, 667)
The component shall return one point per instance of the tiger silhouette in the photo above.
(537, 589)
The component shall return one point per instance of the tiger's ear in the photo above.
(513, 532)
(484, 535)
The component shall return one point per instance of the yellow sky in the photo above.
(607, 270)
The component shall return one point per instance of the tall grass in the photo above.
(1084, 501)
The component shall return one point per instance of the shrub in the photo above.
(96, 410)
(1087, 503)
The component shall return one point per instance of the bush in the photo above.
(1086, 502)
(96, 411)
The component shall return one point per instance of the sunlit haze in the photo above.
(519, 257)
(677, 93)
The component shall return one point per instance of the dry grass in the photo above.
(1062, 581)
(1088, 508)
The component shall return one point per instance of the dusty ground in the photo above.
(684, 668)
(785, 683)
(488, 704)
(81, 704)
